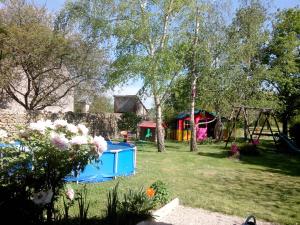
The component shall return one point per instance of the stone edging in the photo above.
(163, 211)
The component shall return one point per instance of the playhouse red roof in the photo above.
(149, 124)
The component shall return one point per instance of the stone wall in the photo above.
(100, 123)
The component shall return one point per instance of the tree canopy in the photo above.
(283, 60)
(40, 63)
(178, 49)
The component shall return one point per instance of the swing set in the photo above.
(264, 114)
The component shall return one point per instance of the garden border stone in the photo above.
(161, 212)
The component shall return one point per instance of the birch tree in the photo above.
(146, 33)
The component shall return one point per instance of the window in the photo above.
(186, 124)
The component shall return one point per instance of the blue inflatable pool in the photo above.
(118, 160)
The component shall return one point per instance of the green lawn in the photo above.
(267, 186)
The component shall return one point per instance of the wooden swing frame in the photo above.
(267, 112)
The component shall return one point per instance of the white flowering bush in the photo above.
(48, 152)
(3, 135)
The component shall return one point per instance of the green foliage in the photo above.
(129, 121)
(249, 149)
(83, 205)
(102, 104)
(178, 100)
(228, 61)
(36, 170)
(162, 195)
(282, 56)
(97, 103)
(203, 175)
(15, 196)
(245, 38)
(112, 205)
(41, 63)
(208, 140)
(148, 48)
(133, 208)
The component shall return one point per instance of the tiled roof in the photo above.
(148, 124)
(197, 111)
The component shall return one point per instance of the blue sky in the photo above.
(132, 87)
(54, 5)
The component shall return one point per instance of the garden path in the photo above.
(182, 215)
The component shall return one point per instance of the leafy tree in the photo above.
(102, 103)
(92, 21)
(129, 121)
(228, 60)
(283, 58)
(203, 53)
(178, 99)
(147, 47)
(247, 35)
(42, 64)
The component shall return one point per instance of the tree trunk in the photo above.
(218, 130)
(194, 76)
(245, 130)
(193, 141)
(285, 120)
(159, 128)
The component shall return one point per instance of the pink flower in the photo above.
(59, 141)
(79, 140)
(70, 193)
(234, 148)
(41, 126)
(72, 128)
(100, 143)
(83, 129)
(60, 123)
(255, 142)
(48, 124)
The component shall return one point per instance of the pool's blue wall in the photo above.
(117, 162)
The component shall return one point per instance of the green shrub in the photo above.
(112, 205)
(83, 205)
(36, 169)
(207, 141)
(129, 121)
(162, 195)
(249, 149)
(135, 206)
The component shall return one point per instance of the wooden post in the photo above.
(233, 126)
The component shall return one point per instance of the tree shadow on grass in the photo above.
(215, 151)
(270, 158)
(102, 221)
(219, 155)
(170, 146)
(273, 160)
(76, 221)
